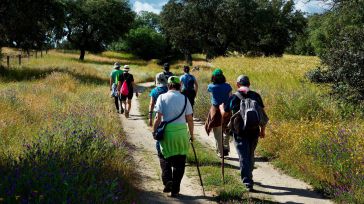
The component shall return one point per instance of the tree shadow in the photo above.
(28, 74)
(111, 61)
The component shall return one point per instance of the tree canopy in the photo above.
(91, 25)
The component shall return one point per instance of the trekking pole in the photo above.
(198, 168)
(222, 154)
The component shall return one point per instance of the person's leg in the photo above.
(178, 164)
(218, 134)
(166, 168)
(253, 146)
(243, 147)
(117, 103)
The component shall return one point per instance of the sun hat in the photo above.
(116, 65)
(243, 80)
(126, 67)
(216, 72)
(174, 80)
(161, 80)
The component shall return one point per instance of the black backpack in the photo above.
(249, 117)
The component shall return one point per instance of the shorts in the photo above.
(129, 96)
(191, 95)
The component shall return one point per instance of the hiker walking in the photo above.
(166, 73)
(247, 123)
(175, 142)
(126, 86)
(114, 78)
(154, 94)
(220, 92)
(189, 85)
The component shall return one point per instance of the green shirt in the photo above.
(115, 75)
(175, 140)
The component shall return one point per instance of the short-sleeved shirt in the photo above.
(171, 105)
(219, 93)
(188, 81)
(234, 101)
(114, 75)
(158, 91)
(129, 79)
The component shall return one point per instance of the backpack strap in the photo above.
(239, 95)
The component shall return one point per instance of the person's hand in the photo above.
(150, 121)
(262, 134)
(192, 138)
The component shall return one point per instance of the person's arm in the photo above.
(111, 83)
(157, 121)
(150, 114)
(119, 87)
(135, 88)
(262, 127)
(196, 86)
(189, 119)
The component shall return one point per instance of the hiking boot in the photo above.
(226, 152)
(174, 195)
(249, 187)
(127, 114)
(168, 187)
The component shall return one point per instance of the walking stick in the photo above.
(222, 154)
(198, 168)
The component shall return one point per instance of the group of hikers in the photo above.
(240, 115)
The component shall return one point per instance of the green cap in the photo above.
(216, 72)
(174, 80)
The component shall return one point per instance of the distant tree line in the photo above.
(85, 24)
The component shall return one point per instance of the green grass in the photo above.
(60, 139)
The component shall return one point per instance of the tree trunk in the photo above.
(188, 57)
(82, 55)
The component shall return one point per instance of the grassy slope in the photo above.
(59, 139)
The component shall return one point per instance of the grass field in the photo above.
(60, 139)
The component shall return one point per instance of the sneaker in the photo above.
(168, 187)
(174, 195)
(226, 152)
(126, 114)
(249, 187)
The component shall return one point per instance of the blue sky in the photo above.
(313, 6)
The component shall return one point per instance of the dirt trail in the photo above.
(145, 157)
(270, 183)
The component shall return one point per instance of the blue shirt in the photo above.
(219, 93)
(188, 81)
(158, 91)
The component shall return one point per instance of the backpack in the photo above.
(124, 88)
(249, 117)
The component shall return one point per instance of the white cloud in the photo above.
(140, 6)
(312, 6)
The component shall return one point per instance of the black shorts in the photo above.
(129, 96)
(191, 95)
